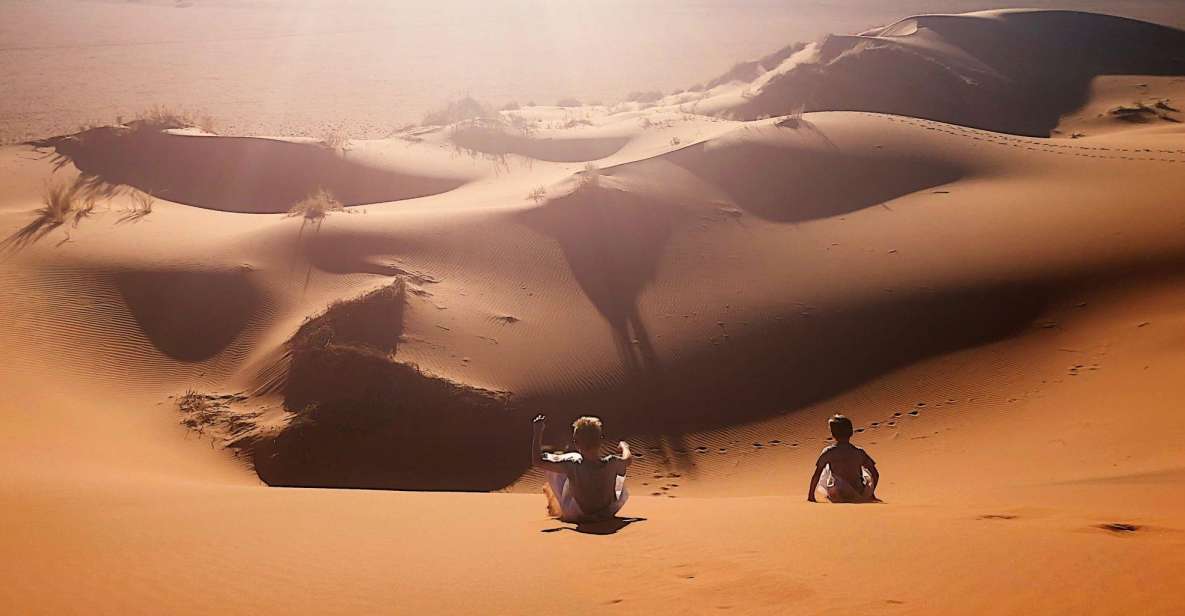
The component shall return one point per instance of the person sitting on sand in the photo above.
(582, 486)
(848, 473)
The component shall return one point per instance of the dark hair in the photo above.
(841, 427)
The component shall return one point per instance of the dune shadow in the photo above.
(613, 240)
(360, 419)
(790, 185)
(234, 174)
(189, 316)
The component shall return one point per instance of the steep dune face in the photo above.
(1006, 71)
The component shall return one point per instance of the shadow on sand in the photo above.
(600, 527)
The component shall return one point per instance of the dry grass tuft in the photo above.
(160, 117)
(538, 195)
(207, 124)
(590, 176)
(1141, 112)
(466, 108)
(212, 415)
(314, 208)
(61, 200)
(142, 204)
(335, 139)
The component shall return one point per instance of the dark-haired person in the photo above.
(846, 472)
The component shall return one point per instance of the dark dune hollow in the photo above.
(235, 174)
(189, 316)
(790, 185)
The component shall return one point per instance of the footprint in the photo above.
(1119, 527)
(914, 413)
(997, 516)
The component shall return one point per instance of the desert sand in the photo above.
(965, 232)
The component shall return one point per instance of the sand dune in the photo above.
(1006, 71)
(970, 242)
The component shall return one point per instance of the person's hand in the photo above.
(623, 446)
(539, 423)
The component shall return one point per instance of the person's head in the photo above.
(586, 434)
(841, 428)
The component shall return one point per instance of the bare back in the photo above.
(847, 462)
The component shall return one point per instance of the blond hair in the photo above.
(586, 432)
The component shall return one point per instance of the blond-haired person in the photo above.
(582, 485)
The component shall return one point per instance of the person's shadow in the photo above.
(600, 527)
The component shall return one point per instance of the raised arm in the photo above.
(626, 457)
(537, 426)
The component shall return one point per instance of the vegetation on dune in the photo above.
(465, 108)
(590, 176)
(161, 117)
(1140, 112)
(335, 138)
(142, 204)
(315, 208)
(60, 201)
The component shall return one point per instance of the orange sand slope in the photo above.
(998, 313)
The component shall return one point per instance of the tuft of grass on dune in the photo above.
(315, 207)
(60, 200)
(142, 204)
(465, 108)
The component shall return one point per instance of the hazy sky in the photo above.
(295, 66)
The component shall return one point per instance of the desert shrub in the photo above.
(466, 108)
(335, 138)
(59, 201)
(537, 195)
(207, 124)
(1140, 112)
(590, 176)
(676, 141)
(521, 124)
(568, 102)
(142, 204)
(315, 207)
(160, 117)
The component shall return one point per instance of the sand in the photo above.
(195, 392)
